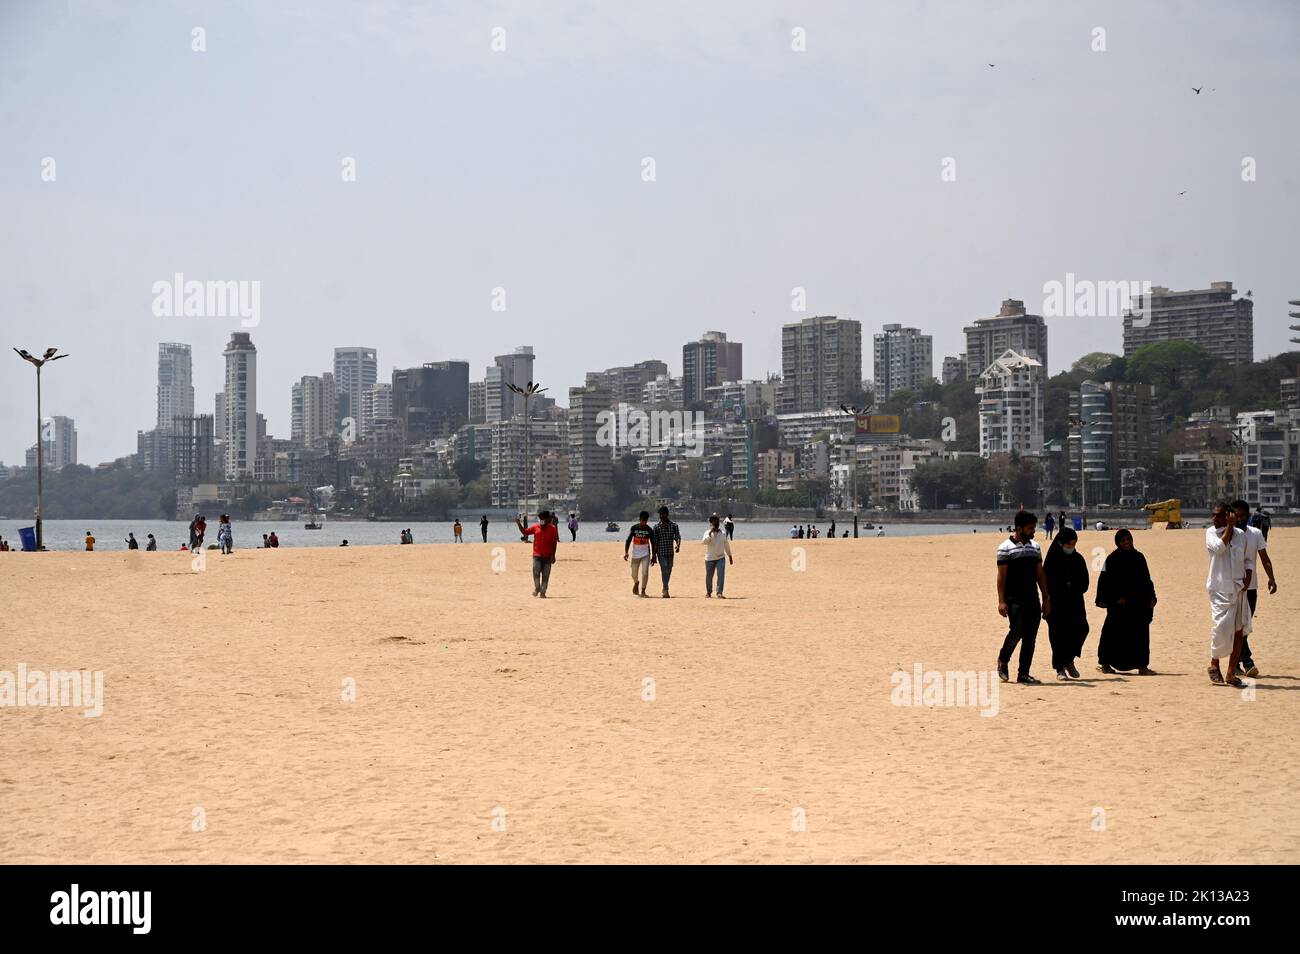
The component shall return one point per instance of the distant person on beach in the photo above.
(152, 544)
(404, 538)
(801, 533)
(717, 554)
(225, 535)
(483, 525)
(266, 541)
(90, 542)
(1256, 546)
(1227, 583)
(830, 533)
(844, 535)
(668, 543)
(273, 540)
(1127, 593)
(456, 531)
(730, 526)
(1049, 525)
(131, 543)
(198, 527)
(573, 528)
(794, 532)
(1261, 521)
(641, 540)
(1020, 580)
(4, 547)
(1061, 521)
(546, 538)
(1067, 582)
(344, 543)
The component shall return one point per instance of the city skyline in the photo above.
(774, 169)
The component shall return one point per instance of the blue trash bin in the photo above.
(28, 537)
(1078, 523)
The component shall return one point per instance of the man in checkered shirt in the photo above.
(667, 542)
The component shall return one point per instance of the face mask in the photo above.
(1067, 550)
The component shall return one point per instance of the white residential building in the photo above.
(1010, 396)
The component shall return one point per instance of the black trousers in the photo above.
(1024, 619)
(1247, 660)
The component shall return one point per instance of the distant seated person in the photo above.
(344, 543)
(4, 547)
(274, 540)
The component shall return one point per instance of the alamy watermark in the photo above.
(922, 687)
(179, 298)
(53, 688)
(1084, 298)
(633, 427)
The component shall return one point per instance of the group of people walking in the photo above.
(1127, 592)
(648, 545)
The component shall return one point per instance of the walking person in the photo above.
(1049, 525)
(483, 525)
(641, 539)
(131, 543)
(225, 535)
(573, 528)
(1067, 582)
(717, 554)
(1256, 546)
(456, 531)
(90, 542)
(830, 533)
(1226, 583)
(668, 543)
(545, 540)
(152, 545)
(1061, 521)
(1020, 580)
(730, 526)
(1125, 590)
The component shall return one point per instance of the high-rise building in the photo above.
(1119, 432)
(355, 370)
(508, 463)
(58, 444)
(1011, 329)
(821, 363)
(1209, 317)
(904, 359)
(591, 465)
(626, 385)
(954, 369)
(1010, 396)
(711, 360)
(477, 402)
(1271, 456)
(219, 417)
(239, 440)
(193, 448)
(376, 405)
(432, 401)
(175, 384)
(499, 402)
(314, 417)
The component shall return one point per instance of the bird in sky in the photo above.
(1184, 192)
(1197, 90)
(990, 64)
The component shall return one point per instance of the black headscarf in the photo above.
(1125, 575)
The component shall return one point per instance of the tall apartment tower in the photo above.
(175, 384)
(1209, 317)
(1010, 396)
(821, 363)
(591, 465)
(477, 402)
(1118, 433)
(58, 444)
(355, 369)
(314, 417)
(431, 401)
(1011, 329)
(711, 360)
(954, 369)
(499, 402)
(904, 359)
(239, 437)
(376, 405)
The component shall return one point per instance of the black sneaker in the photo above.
(1029, 680)
(1249, 670)
(1002, 672)
(1074, 673)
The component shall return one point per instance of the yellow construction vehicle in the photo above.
(1168, 512)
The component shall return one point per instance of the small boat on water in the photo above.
(611, 527)
(314, 522)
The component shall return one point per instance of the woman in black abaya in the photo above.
(1067, 582)
(1128, 595)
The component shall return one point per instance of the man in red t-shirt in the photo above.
(546, 537)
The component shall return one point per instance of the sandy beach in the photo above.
(489, 726)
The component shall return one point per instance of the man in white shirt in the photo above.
(1256, 545)
(1226, 583)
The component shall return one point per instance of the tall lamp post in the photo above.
(1081, 425)
(528, 390)
(853, 411)
(51, 354)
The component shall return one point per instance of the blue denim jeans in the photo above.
(710, 567)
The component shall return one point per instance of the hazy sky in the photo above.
(522, 169)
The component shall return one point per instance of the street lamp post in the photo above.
(854, 411)
(51, 354)
(1081, 424)
(528, 390)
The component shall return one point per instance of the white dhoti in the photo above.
(1229, 612)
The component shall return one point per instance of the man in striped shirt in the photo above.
(1020, 580)
(668, 541)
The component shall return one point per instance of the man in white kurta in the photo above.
(1228, 578)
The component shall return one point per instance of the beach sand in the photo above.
(479, 708)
